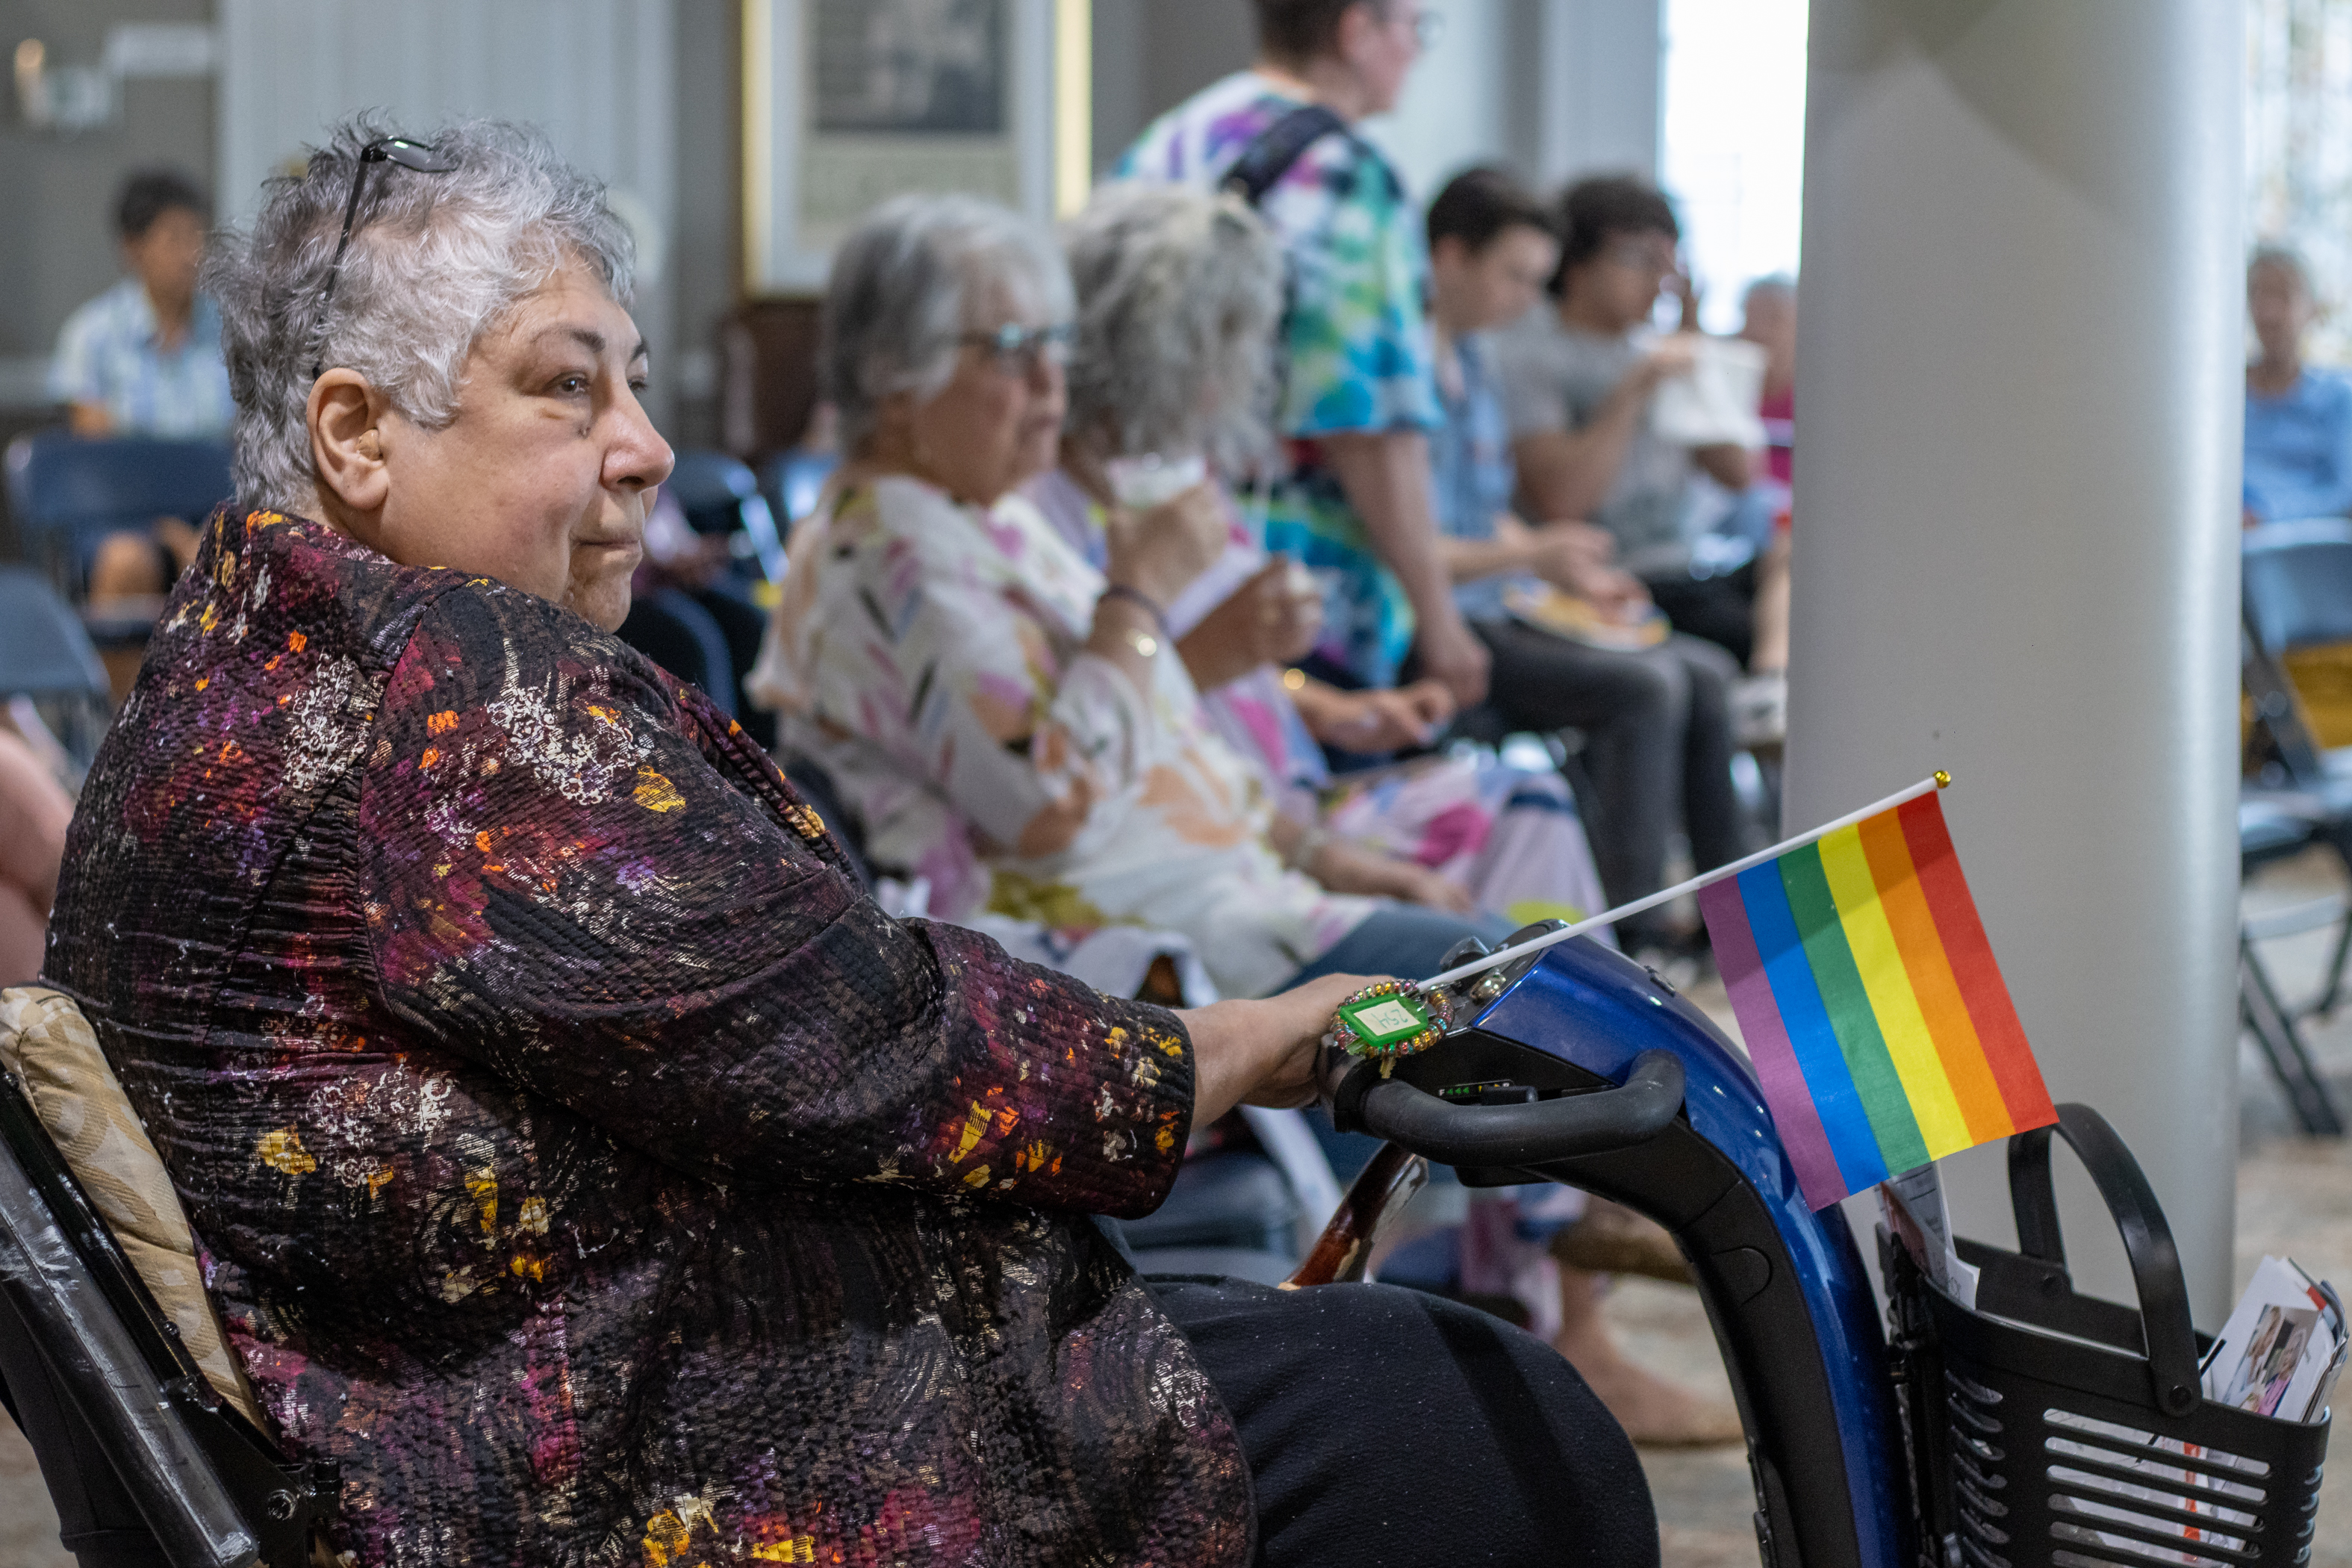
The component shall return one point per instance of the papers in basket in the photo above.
(2282, 1347)
(1913, 1205)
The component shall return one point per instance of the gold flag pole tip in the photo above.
(1943, 779)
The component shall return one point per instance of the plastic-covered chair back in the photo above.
(721, 495)
(2298, 583)
(66, 491)
(146, 1460)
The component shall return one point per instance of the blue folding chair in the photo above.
(67, 493)
(794, 481)
(720, 496)
(46, 654)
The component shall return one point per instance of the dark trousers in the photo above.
(1720, 609)
(1386, 1426)
(1658, 744)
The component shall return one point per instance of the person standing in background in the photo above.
(1358, 400)
(2298, 419)
(144, 359)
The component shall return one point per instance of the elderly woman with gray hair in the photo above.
(1180, 290)
(1016, 724)
(579, 1157)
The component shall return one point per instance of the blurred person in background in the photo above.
(1013, 725)
(1653, 706)
(1179, 292)
(1358, 402)
(1578, 381)
(2298, 418)
(144, 359)
(34, 812)
(1769, 320)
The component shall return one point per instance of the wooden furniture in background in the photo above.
(767, 374)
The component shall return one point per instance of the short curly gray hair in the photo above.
(910, 281)
(436, 260)
(1179, 294)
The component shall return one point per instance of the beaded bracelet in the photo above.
(1138, 596)
(1394, 1019)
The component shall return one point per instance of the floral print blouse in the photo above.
(938, 657)
(580, 1158)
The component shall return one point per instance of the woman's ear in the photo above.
(345, 414)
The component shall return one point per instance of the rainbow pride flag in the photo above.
(1880, 1026)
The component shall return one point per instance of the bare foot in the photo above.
(1655, 1412)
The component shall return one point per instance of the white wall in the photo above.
(1455, 109)
(596, 75)
(1595, 100)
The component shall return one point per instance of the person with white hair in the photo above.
(1180, 294)
(1012, 723)
(580, 1158)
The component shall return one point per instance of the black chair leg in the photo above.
(2324, 1005)
(2273, 1029)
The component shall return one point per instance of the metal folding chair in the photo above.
(2298, 594)
(67, 493)
(721, 495)
(2268, 832)
(46, 654)
(795, 482)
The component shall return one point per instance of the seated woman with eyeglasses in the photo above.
(1012, 723)
(582, 1160)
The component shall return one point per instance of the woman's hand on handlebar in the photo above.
(1263, 1052)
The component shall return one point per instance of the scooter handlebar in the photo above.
(1535, 1133)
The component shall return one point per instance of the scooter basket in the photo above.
(2048, 1429)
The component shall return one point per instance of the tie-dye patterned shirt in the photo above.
(1356, 352)
(583, 1160)
(941, 671)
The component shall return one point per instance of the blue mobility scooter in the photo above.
(2039, 1429)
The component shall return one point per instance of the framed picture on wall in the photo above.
(850, 102)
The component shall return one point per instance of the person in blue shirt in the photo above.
(144, 359)
(1656, 718)
(2298, 419)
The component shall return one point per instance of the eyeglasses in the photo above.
(1641, 256)
(1016, 350)
(397, 150)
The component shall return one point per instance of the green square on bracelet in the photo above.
(1386, 1020)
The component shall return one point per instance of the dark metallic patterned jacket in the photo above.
(580, 1157)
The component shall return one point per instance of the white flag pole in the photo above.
(1462, 972)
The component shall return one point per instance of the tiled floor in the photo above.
(2295, 1196)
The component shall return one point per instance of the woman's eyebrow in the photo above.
(592, 339)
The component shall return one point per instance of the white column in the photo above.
(2016, 531)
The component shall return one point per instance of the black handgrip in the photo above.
(1535, 1133)
(2165, 1325)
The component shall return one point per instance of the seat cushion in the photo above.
(48, 1045)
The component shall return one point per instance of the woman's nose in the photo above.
(638, 459)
